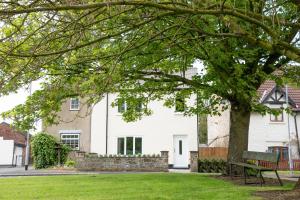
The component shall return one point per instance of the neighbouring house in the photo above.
(101, 129)
(266, 132)
(271, 132)
(12, 146)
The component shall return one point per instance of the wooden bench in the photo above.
(257, 157)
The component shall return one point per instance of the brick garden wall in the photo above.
(94, 162)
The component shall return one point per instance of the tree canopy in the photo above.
(88, 48)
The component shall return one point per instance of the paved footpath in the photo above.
(283, 176)
(20, 171)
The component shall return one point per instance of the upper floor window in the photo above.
(179, 104)
(74, 104)
(276, 118)
(70, 139)
(123, 106)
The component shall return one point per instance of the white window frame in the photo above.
(184, 105)
(276, 117)
(124, 104)
(71, 104)
(125, 144)
(69, 133)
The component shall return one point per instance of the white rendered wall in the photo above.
(98, 127)
(264, 133)
(6, 151)
(156, 130)
(218, 129)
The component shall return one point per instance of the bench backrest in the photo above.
(261, 156)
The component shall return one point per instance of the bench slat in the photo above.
(252, 166)
(252, 155)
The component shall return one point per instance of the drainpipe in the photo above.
(297, 135)
(289, 132)
(13, 157)
(198, 142)
(106, 127)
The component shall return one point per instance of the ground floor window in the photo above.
(70, 139)
(282, 151)
(129, 145)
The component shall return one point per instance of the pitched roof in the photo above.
(293, 92)
(8, 133)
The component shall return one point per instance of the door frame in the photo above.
(185, 138)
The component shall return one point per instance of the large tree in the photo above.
(141, 49)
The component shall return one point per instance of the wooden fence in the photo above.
(213, 153)
(282, 165)
(221, 153)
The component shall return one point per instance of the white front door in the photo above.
(181, 159)
(18, 156)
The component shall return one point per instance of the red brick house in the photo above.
(12, 146)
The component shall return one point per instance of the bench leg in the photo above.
(261, 179)
(245, 175)
(278, 178)
(230, 171)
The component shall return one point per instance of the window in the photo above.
(70, 139)
(121, 143)
(179, 104)
(123, 106)
(129, 145)
(180, 147)
(282, 151)
(276, 118)
(74, 104)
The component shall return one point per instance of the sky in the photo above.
(14, 99)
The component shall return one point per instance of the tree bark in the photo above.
(297, 186)
(238, 135)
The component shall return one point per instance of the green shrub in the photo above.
(211, 166)
(43, 150)
(70, 163)
(64, 152)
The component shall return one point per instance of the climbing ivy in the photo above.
(44, 152)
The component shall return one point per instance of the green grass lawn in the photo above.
(124, 186)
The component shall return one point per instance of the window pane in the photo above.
(285, 153)
(121, 146)
(129, 145)
(121, 106)
(72, 140)
(179, 104)
(180, 147)
(138, 145)
(74, 104)
(138, 107)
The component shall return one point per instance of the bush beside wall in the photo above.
(212, 166)
(44, 149)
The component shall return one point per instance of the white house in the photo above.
(266, 132)
(102, 130)
(271, 132)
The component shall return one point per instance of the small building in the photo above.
(12, 146)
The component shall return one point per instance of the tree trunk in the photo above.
(238, 135)
(297, 186)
